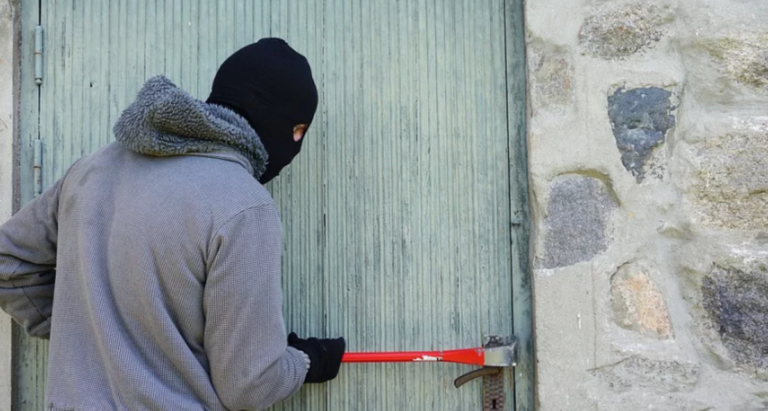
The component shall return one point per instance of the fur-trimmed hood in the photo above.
(164, 120)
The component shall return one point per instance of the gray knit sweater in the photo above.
(154, 266)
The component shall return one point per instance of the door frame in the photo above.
(10, 32)
(517, 133)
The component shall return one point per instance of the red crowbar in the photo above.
(493, 356)
(496, 353)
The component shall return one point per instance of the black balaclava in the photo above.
(271, 86)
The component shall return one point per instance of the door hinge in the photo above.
(39, 55)
(37, 167)
(37, 161)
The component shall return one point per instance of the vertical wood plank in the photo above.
(298, 195)
(205, 23)
(383, 189)
(88, 67)
(29, 354)
(10, 17)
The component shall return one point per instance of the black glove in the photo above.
(324, 356)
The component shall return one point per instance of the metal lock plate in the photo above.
(493, 391)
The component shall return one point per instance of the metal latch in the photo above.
(499, 353)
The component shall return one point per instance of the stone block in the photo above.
(726, 68)
(637, 303)
(730, 190)
(552, 80)
(646, 375)
(640, 119)
(578, 211)
(742, 57)
(736, 300)
(615, 32)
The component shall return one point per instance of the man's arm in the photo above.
(28, 263)
(245, 338)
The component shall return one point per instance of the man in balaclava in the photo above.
(271, 86)
(153, 265)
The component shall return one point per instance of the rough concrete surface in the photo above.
(640, 119)
(565, 342)
(7, 84)
(640, 373)
(578, 211)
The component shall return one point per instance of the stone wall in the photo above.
(648, 152)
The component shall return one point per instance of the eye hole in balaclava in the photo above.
(271, 86)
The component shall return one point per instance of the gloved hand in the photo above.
(324, 356)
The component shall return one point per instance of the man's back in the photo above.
(137, 236)
(133, 234)
(154, 263)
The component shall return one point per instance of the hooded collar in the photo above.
(164, 121)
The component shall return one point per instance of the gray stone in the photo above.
(758, 403)
(737, 303)
(637, 303)
(640, 119)
(743, 57)
(638, 373)
(731, 188)
(576, 221)
(616, 32)
(552, 80)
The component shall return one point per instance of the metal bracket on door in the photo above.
(493, 377)
(37, 159)
(37, 167)
(39, 55)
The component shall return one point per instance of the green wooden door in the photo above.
(405, 213)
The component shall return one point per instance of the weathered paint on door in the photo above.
(405, 213)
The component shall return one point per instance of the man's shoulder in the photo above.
(224, 182)
(221, 182)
